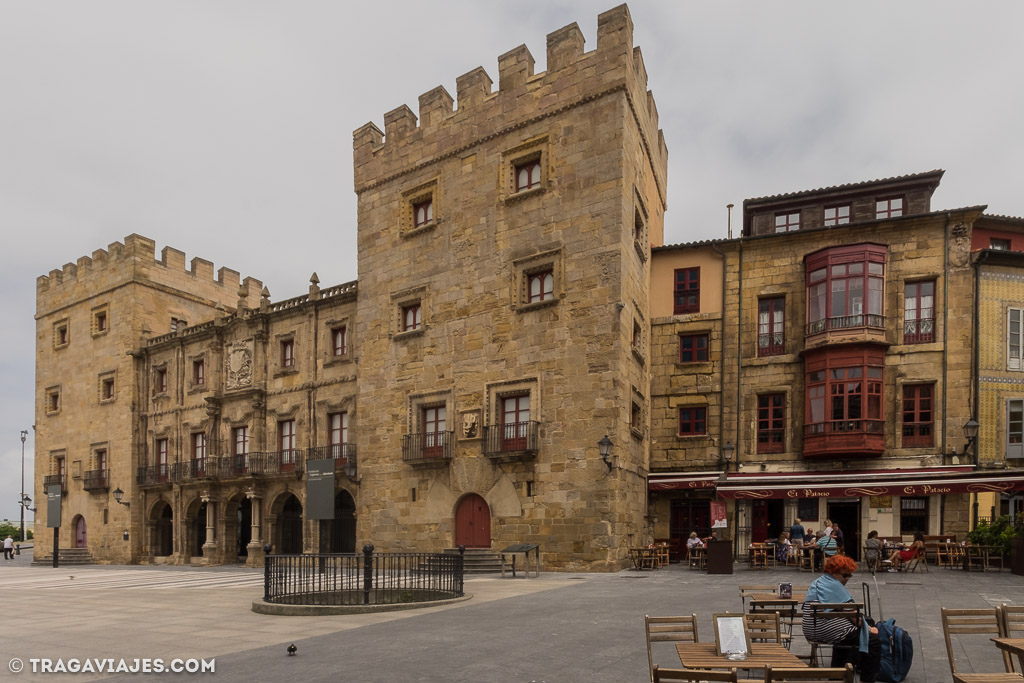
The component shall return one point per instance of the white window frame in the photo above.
(1014, 338)
(1014, 449)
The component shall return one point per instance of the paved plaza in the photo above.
(558, 628)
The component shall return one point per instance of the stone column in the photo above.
(210, 547)
(254, 551)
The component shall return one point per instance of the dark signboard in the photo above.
(320, 489)
(53, 506)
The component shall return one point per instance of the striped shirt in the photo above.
(825, 630)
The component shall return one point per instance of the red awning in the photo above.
(670, 481)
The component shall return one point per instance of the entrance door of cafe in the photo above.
(847, 515)
(687, 516)
(766, 520)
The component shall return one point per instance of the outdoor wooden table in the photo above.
(705, 656)
(1015, 646)
(770, 599)
(644, 558)
(978, 552)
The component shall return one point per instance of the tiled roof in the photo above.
(937, 174)
(997, 216)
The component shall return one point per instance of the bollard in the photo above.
(266, 572)
(367, 572)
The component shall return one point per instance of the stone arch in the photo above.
(472, 521)
(341, 531)
(194, 529)
(160, 528)
(237, 527)
(287, 521)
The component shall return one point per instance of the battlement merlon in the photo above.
(106, 266)
(572, 77)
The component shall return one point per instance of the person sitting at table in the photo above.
(856, 642)
(782, 548)
(827, 544)
(693, 541)
(899, 556)
(872, 551)
(712, 537)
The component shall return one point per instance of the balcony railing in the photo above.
(343, 454)
(918, 435)
(852, 437)
(772, 344)
(846, 322)
(422, 449)
(51, 479)
(919, 331)
(291, 461)
(514, 440)
(152, 475)
(95, 480)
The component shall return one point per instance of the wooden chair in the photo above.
(918, 561)
(991, 558)
(777, 675)
(764, 627)
(983, 622)
(944, 553)
(1011, 619)
(694, 675)
(974, 557)
(747, 590)
(758, 557)
(825, 611)
(668, 630)
(807, 563)
(872, 558)
(698, 558)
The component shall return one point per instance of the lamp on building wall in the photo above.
(118, 495)
(604, 447)
(727, 450)
(970, 433)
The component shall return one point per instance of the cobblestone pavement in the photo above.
(558, 628)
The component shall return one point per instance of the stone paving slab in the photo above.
(558, 628)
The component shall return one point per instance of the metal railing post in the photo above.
(367, 572)
(460, 569)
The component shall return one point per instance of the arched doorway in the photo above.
(291, 526)
(199, 531)
(343, 526)
(243, 530)
(473, 522)
(163, 531)
(80, 537)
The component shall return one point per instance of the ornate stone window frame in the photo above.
(156, 369)
(94, 449)
(329, 328)
(52, 406)
(58, 325)
(413, 197)
(279, 344)
(107, 384)
(193, 386)
(638, 409)
(536, 149)
(496, 392)
(401, 300)
(550, 260)
(99, 320)
(430, 399)
(641, 236)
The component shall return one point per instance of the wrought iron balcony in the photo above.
(846, 322)
(511, 441)
(51, 479)
(197, 468)
(291, 461)
(343, 454)
(919, 331)
(428, 449)
(864, 438)
(152, 475)
(95, 480)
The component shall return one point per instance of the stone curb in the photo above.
(273, 609)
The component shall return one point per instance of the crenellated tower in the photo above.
(504, 262)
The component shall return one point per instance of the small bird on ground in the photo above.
(292, 649)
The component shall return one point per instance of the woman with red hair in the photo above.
(853, 641)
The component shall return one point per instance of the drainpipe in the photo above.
(721, 375)
(945, 327)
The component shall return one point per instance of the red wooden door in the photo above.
(80, 533)
(759, 523)
(473, 522)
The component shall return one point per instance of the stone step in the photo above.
(478, 560)
(66, 556)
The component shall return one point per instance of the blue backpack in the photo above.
(897, 651)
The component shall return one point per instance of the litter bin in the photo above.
(719, 557)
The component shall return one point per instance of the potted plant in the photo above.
(1004, 534)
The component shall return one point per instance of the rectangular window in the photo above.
(286, 434)
(241, 439)
(339, 343)
(198, 372)
(101, 459)
(771, 423)
(515, 422)
(913, 515)
(771, 326)
(101, 322)
(687, 290)
(527, 175)
(693, 348)
(337, 430)
(433, 431)
(786, 222)
(423, 213)
(199, 445)
(919, 312)
(540, 286)
(918, 428)
(178, 324)
(160, 381)
(998, 244)
(837, 215)
(845, 287)
(53, 401)
(636, 417)
(60, 335)
(411, 317)
(890, 207)
(1014, 342)
(161, 460)
(288, 353)
(638, 336)
(844, 399)
(692, 421)
(107, 389)
(807, 509)
(1015, 428)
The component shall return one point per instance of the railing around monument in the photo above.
(362, 579)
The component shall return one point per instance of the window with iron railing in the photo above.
(286, 434)
(844, 400)
(771, 326)
(919, 312)
(845, 287)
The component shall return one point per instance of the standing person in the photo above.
(782, 548)
(837, 534)
(856, 642)
(8, 548)
(796, 532)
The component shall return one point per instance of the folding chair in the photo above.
(825, 611)
(872, 559)
(919, 560)
(944, 553)
(984, 622)
(776, 675)
(1011, 618)
(666, 630)
(695, 675)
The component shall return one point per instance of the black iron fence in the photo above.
(95, 480)
(511, 437)
(362, 579)
(429, 447)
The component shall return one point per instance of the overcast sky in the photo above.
(224, 128)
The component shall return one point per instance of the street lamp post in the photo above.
(24, 435)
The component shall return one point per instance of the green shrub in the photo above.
(998, 533)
